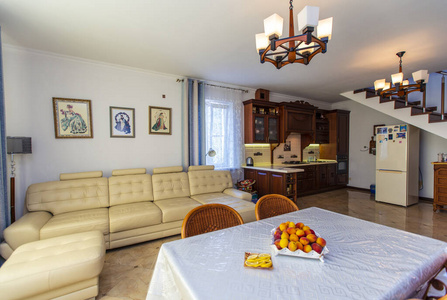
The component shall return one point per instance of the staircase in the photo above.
(411, 112)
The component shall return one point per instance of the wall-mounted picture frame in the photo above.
(160, 120)
(72, 118)
(122, 122)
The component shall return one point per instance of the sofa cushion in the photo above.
(80, 175)
(202, 182)
(170, 185)
(60, 197)
(130, 189)
(121, 172)
(167, 170)
(76, 221)
(200, 168)
(53, 268)
(245, 208)
(175, 209)
(133, 215)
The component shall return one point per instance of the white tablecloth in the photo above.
(366, 261)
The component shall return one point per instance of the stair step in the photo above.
(370, 92)
(436, 117)
(398, 103)
(419, 111)
(385, 100)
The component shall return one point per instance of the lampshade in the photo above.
(262, 42)
(405, 82)
(18, 145)
(211, 153)
(273, 25)
(397, 78)
(420, 75)
(308, 17)
(324, 28)
(379, 84)
(387, 85)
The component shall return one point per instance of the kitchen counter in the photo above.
(275, 168)
(288, 168)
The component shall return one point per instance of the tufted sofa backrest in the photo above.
(89, 190)
(201, 182)
(130, 186)
(170, 185)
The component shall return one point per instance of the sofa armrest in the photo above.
(238, 194)
(26, 229)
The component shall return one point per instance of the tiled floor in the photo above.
(127, 271)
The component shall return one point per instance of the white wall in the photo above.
(362, 164)
(32, 79)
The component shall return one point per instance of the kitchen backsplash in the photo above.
(288, 151)
(259, 152)
(311, 153)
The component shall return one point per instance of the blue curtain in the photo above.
(196, 123)
(4, 215)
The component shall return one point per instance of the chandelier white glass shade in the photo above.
(400, 86)
(293, 49)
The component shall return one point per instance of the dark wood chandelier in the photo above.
(293, 49)
(400, 87)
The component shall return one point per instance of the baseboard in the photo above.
(358, 189)
(425, 199)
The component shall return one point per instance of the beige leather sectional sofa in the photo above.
(128, 207)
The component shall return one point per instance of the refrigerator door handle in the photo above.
(388, 171)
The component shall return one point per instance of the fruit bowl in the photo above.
(278, 249)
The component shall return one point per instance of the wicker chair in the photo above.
(209, 217)
(273, 205)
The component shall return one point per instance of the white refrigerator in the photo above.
(397, 164)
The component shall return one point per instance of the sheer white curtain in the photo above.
(224, 127)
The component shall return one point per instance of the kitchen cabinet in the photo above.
(440, 186)
(262, 183)
(261, 122)
(298, 117)
(338, 146)
(306, 180)
(321, 131)
(326, 175)
(273, 183)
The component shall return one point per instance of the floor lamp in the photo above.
(16, 145)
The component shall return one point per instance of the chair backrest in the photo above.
(209, 217)
(273, 205)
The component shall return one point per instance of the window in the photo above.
(223, 129)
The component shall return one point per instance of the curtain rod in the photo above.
(220, 86)
(226, 87)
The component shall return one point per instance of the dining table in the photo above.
(366, 260)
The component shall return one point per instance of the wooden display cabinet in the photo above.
(440, 186)
(273, 183)
(261, 122)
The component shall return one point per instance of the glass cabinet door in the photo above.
(260, 129)
(273, 130)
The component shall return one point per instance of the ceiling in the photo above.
(214, 40)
